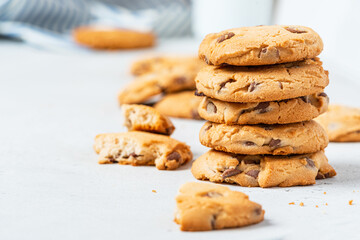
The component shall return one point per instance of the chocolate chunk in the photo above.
(168, 130)
(208, 127)
(211, 108)
(213, 221)
(281, 85)
(174, 156)
(310, 162)
(274, 143)
(262, 107)
(253, 173)
(262, 51)
(206, 60)
(249, 143)
(258, 211)
(323, 94)
(212, 195)
(134, 155)
(112, 160)
(197, 93)
(322, 176)
(195, 114)
(224, 83)
(252, 86)
(225, 36)
(266, 127)
(305, 99)
(251, 161)
(295, 30)
(230, 172)
(180, 80)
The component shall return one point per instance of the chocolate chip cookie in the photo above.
(145, 118)
(292, 138)
(204, 207)
(180, 105)
(260, 45)
(342, 123)
(142, 148)
(262, 170)
(277, 112)
(184, 66)
(263, 83)
(97, 38)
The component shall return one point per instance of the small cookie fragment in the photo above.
(142, 148)
(342, 123)
(180, 105)
(97, 38)
(262, 170)
(262, 83)
(292, 138)
(276, 112)
(204, 207)
(260, 45)
(145, 118)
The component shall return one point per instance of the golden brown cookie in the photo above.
(180, 105)
(260, 45)
(342, 123)
(113, 39)
(145, 118)
(277, 112)
(263, 83)
(142, 148)
(262, 170)
(204, 207)
(285, 139)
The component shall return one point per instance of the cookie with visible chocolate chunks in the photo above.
(284, 139)
(260, 45)
(180, 105)
(205, 207)
(145, 118)
(262, 170)
(277, 112)
(142, 148)
(262, 83)
(342, 123)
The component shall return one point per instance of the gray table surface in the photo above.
(51, 187)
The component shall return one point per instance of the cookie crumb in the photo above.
(154, 191)
(291, 203)
(326, 204)
(316, 206)
(301, 204)
(324, 192)
(351, 202)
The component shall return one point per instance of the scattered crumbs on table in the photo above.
(291, 203)
(351, 202)
(301, 204)
(154, 191)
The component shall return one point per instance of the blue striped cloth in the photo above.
(166, 18)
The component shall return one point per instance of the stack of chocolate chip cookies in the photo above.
(261, 89)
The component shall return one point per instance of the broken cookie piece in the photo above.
(262, 170)
(145, 118)
(142, 148)
(204, 207)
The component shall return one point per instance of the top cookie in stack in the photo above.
(263, 75)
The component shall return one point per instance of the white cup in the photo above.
(211, 16)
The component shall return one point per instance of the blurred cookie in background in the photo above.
(113, 38)
(342, 123)
(180, 105)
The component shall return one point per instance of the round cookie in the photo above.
(285, 139)
(277, 112)
(98, 38)
(262, 84)
(204, 207)
(184, 66)
(260, 45)
(262, 170)
(180, 105)
(341, 123)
